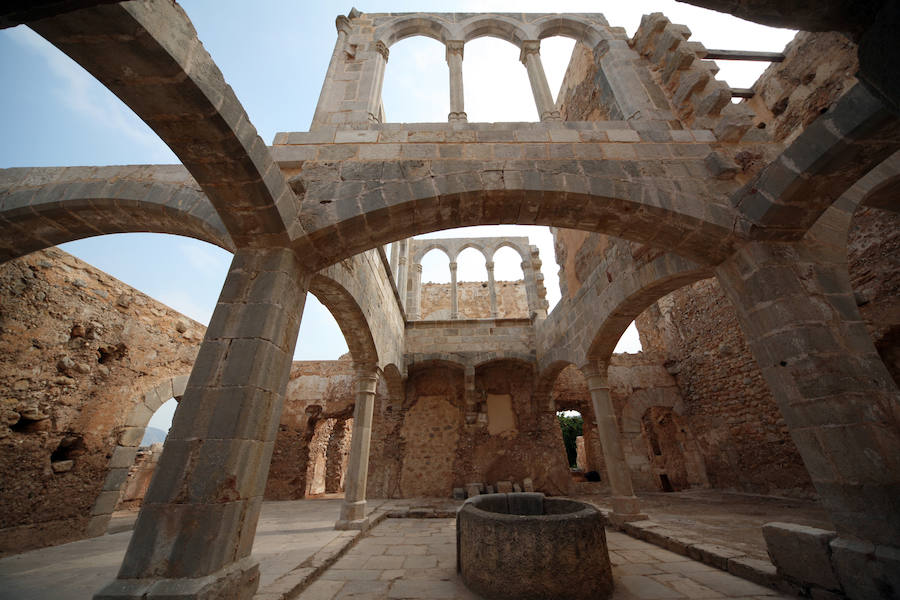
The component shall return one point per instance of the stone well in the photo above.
(526, 546)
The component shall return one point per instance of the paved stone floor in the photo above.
(416, 559)
(399, 558)
(288, 533)
(728, 519)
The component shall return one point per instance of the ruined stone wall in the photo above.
(474, 300)
(873, 253)
(817, 70)
(743, 437)
(78, 350)
(427, 447)
(449, 337)
(319, 395)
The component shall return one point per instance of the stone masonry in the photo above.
(653, 180)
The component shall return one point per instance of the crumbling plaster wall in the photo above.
(426, 446)
(474, 300)
(78, 350)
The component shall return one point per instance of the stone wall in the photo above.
(425, 446)
(78, 351)
(873, 252)
(818, 68)
(319, 401)
(474, 300)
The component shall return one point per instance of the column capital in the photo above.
(342, 24)
(402, 260)
(528, 48)
(453, 266)
(454, 47)
(489, 265)
(417, 267)
(596, 374)
(382, 49)
(526, 265)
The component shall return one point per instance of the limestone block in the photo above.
(473, 489)
(459, 493)
(801, 553)
(106, 503)
(123, 457)
(62, 466)
(527, 485)
(866, 570)
(504, 487)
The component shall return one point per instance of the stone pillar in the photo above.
(337, 57)
(395, 257)
(530, 288)
(797, 310)
(195, 531)
(454, 61)
(415, 291)
(530, 56)
(353, 510)
(492, 288)
(625, 504)
(374, 105)
(402, 276)
(454, 301)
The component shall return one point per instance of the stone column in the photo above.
(353, 510)
(454, 61)
(195, 531)
(625, 504)
(530, 56)
(380, 59)
(454, 301)
(402, 276)
(492, 288)
(395, 257)
(530, 288)
(797, 310)
(327, 95)
(415, 290)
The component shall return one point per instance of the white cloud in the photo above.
(82, 93)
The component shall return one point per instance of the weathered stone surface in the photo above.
(802, 553)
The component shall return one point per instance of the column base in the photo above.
(458, 116)
(625, 510)
(356, 525)
(353, 515)
(237, 581)
(551, 116)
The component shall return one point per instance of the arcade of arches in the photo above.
(755, 244)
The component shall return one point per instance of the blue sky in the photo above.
(275, 54)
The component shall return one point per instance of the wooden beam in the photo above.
(744, 55)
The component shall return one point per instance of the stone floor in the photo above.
(287, 535)
(416, 558)
(728, 519)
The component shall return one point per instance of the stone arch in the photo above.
(436, 245)
(545, 381)
(635, 294)
(498, 26)
(474, 246)
(483, 359)
(526, 193)
(349, 316)
(523, 252)
(411, 25)
(44, 215)
(128, 437)
(570, 26)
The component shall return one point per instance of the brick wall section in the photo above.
(78, 350)
(474, 300)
